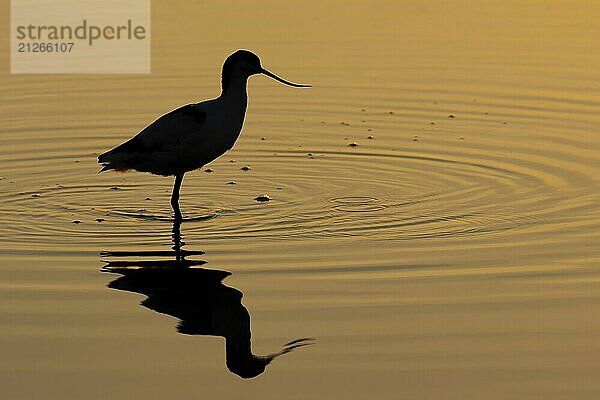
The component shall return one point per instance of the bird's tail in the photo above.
(114, 160)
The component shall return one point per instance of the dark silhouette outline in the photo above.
(170, 134)
(197, 297)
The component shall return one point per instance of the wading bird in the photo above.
(204, 306)
(191, 136)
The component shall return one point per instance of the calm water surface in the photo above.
(453, 252)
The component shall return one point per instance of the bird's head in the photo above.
(247, 365)
(243, 64)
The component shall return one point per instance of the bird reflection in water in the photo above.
(197, 297)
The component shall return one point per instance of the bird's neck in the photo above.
(235, 88)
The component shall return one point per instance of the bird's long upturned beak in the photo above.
(272, 75)
(290, 346)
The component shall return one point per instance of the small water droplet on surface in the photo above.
(115, 188)
(245, 168)
(77, 221)
(100, 219)
(451, 116)
(263, 138)
(232, 183)
(370, 137)
(262, 198)
(208, 170)
(35, 195)
(353, 144)
(148, 198)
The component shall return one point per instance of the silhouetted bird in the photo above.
(191, 136)
(204, 306)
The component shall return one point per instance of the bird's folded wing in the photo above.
(169, 130)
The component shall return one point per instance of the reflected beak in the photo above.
(272, 75)
(290, 346)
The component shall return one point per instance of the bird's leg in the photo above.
(177, 242)
(175, 197)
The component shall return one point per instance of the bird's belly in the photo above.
(203, 149)
(217, 135)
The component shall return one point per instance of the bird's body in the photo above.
(193, 135)
(182, 140)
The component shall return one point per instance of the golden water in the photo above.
(450, 257)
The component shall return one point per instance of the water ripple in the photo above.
(416, 173)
